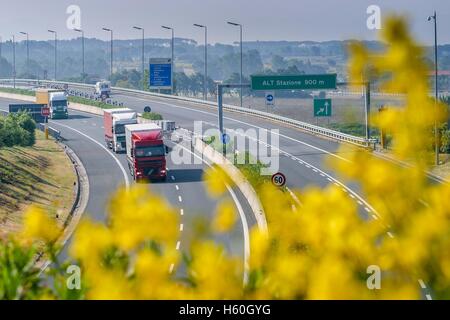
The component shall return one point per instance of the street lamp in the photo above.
(143, 54)
(28, 52)
(436, 134)
(83, 75)
(56, 43)
(14, 60)
(240, 29)
(205, 89)
(172, 49)
(109, 30)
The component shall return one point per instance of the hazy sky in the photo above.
(263, 19)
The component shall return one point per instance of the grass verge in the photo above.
(40, 175)
(17, 91)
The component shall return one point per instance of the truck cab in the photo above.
(114, 123)
(103, 89)
(58, 105)
(146, 152)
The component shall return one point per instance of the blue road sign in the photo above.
(225, 138)
(160, 74)
(270, 98)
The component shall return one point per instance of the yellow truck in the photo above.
(56, 100)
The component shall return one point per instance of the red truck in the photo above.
(146, 152)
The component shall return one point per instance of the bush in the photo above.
(17, 130)
(445, 141)
(152, 116)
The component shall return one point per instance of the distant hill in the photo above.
(223, 59)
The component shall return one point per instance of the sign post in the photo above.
(45, 112)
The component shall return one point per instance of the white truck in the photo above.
(103, 89)
(114, 122)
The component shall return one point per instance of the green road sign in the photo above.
(322, 107)
(294, 82)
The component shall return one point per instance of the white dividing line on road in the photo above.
(177, 187)
(245, 228)
(178, 245)
(172, 266)
(180, 199)
(125, 175)
(172, 177)
(181, 212)
(181, 227)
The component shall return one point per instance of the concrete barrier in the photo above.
(15, 96)
(238, 179)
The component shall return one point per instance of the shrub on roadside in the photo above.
(17, 130)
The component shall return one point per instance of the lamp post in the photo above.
(83, 75)
(56, 43)
(173, 55)
(112, 39)
(436, 71)
(240, 29)
(205, 84)
(143, 55)
(14, 60)
(28, 52)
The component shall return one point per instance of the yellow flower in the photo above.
(225, 217)
(39, 226)
(216, 180)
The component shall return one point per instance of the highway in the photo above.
(302, 155)
(107, 171)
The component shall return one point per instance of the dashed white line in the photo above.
(172, 177)
(374, 217)
(177, 187)
(182, 212)
(181, 227)
(422, 284)
(428, 296)
(360, 202)
(367, 210)
(178, 245)
(180, 199)
(171, 268)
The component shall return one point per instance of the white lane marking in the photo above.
(177, 187)
(352, 196)
(367, 209)
(171, 268)
(329, 179)
(178, 245)
(360, 202)
(181, 227)
(428, 296)
(374, 217)
(125, 175)
(390, 234)
(422, 284)
(172, 177)
(293, 196)
(180, 199)
(245, 227)
(181, 212)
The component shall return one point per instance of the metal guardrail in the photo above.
(336, 135)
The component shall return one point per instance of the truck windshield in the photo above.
(153, 151)
(119, 129)
(59, 103)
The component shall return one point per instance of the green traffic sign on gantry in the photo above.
(294, 82)
(322, 107)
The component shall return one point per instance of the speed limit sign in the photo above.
(279, 179)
